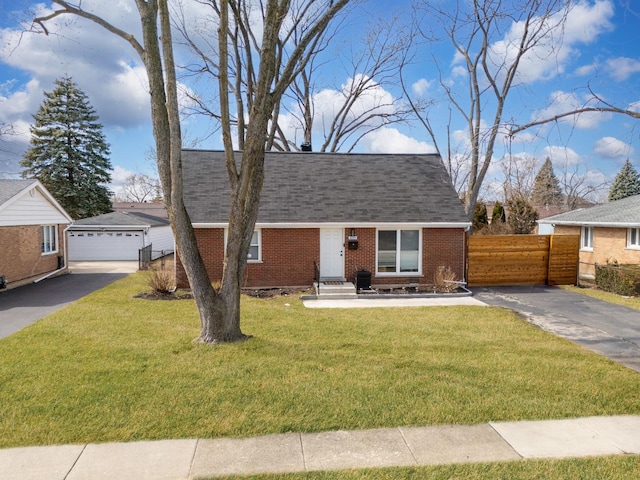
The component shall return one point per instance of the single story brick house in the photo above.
(396, 216)
(608, 232)
(32, 233)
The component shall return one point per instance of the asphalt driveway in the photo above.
(22, 306)
(610, 330)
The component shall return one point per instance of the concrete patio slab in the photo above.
(159, 460)
(394, 302)
(356, 449)
(265, 454)
(457, 444)
(124, 266)
(36, 463)
(554, 439)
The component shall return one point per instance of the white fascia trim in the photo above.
(463, 225)
(84, 228)
(593, 224)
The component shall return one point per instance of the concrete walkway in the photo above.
(338, 450)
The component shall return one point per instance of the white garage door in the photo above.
(88, 246)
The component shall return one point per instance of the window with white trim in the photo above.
(586, 238)
(398, 252)
(633, 238)
(49, 239)
(255, 249)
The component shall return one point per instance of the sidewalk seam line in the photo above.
(407, 445)
(193, 459)
(304, 458)
(84, 447)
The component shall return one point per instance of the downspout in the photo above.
(64, 253)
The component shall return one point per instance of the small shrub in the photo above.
(444, 280)
(619, 279)
(161, 281)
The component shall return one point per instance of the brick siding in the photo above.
(608, 244)
(288, 256)
(22, 260)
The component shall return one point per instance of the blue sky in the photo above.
(600, 49)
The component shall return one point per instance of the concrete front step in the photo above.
(336, 291)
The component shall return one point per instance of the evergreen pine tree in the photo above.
(497, 214)
(480, 218)
(522, 216)
(546, 188)
(68, 152)
(626, 183)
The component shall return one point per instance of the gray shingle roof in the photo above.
(312, 187)
(119, 219)
(620, 213)
(9, 188)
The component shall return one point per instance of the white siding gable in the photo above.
(161, 238)
(32, 207)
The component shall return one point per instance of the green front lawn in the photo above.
(116, 368)
(631, 302)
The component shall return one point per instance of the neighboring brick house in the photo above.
(607, 232)
(395, 216)
(32, 233)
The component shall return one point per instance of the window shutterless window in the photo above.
(49, 239)
(586, 238)
(633, 238)
(398, 251)
(254, 249)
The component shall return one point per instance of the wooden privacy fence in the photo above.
(523, 260)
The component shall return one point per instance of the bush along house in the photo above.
(379, 219)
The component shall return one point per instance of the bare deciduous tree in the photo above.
(140, 188)
(475, 28)
(266, 70)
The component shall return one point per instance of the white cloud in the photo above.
(584, 23)
(610, 147)
(420, 87)
(562, 102)
(390, 140)
(560, 155)
(119, 175)
(103, 65)
(621, 68)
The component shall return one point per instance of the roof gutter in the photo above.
(465, 225)
(576, 223)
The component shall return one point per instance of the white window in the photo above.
(255, 248)
(586, 239)
(633, 238)
(49, 239)
(398, 252)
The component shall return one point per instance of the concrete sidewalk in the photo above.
(294, 452)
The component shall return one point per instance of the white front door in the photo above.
(331, 253)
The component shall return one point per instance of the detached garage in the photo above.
(118, 236)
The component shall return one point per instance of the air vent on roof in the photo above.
(306, 147)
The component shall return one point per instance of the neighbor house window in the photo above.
(398, 251)
(49, 239)
(586, 240)
(633, 238)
